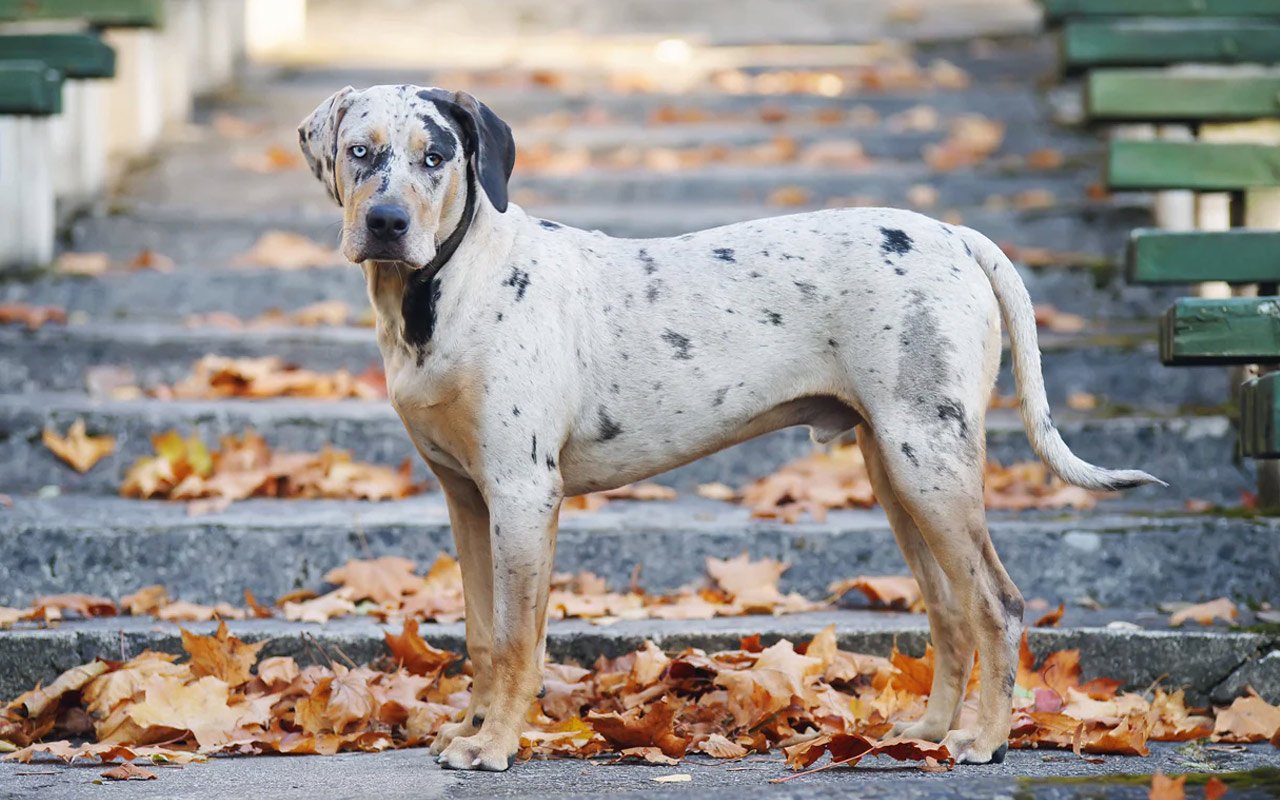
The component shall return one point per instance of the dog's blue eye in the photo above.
(434, 159)
(359, 151)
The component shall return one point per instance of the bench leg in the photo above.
(26, 192)
(135, 107)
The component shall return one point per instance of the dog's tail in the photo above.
(1020, 322)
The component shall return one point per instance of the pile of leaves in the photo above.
(245, 466)
(837, 479)
(807, 700)
(216, 377)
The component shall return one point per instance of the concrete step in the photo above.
(1118, 364)
(1192, 453)
(1198, 661)
(111, 546)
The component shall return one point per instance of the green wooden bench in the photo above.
(75, 55)
(97, 13)
(1198, 65)
(29, 88)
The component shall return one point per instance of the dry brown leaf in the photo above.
(271, 160)
(288, 251)
(1206, 613)
(717, 491)
(383, 580)
(1164, 787)
(147, 600)
(1247, 719)
(77, 448)
(894, 591)
(85, 264)
(415, 655)
(31, 316)
(1051, 619)
(150, 259)
(790, 196)
(222, 655)
(129, 772)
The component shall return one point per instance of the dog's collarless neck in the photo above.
(422, 290)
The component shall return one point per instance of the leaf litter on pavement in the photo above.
(807, 700)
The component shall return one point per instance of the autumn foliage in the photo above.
(808, 700)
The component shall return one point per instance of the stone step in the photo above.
(1192, 453)
(1203, 662)
(1094, 232)
(111, 546)
(1118, 364)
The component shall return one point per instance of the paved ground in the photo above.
(579, 81)
(1252, 772)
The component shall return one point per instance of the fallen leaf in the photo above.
(1051, 619)
(222, 655)
(77, 448)
(1247, 719)
(129, 772)
(288, 251)
(1206, 613)
(1165, 788)
(85, 264)
(32, 316)
(896, 591)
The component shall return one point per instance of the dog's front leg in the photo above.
(523, 520)
(469, 518)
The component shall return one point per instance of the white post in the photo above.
(180, 36)
(135, 106)
(26, 192)
(274, 27)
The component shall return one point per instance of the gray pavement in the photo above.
(1250, 772)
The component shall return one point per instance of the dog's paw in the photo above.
(968, 747)
(481, 751)
(923, 729)
(451, 731)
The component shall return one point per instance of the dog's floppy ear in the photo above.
(490, 144)
(318, 138)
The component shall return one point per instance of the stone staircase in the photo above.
(1116, 564)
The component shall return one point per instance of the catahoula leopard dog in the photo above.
(531, 361)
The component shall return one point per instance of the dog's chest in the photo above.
(437, 406)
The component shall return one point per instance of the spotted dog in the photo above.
(530, 361)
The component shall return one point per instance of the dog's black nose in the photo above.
(387, 222)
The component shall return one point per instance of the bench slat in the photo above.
(99, 13)
(1145, 42)
(1055, 10)
(75, 55)
(1237, 330)
(30, 88)
(1258, 417)
(1202, 166)
(1181, 257)
(1141, 94)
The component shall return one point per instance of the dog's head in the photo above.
(407, 164)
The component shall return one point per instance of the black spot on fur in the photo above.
(515, 411)
(444, 141)
(910, 453)
(549, 225)
(535, 448)
(379, 163)
(725, 254)
(653, 291)
(772, 317)
(519, 280)
(551, 461)
(718, 400)
(895, 241)
(609, 429)
(681, 344)
(807, 291)
(421, 299)
(950, 410)
(650, 266)
(833, 344)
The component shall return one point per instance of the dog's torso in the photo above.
(604, 361)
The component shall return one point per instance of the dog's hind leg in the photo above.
(469, 518)
(948, 624)
(939, 485)
(523, 516)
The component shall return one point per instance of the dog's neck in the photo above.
(405, 298)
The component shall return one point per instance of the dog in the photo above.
(530, 361)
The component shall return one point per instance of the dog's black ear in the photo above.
(491, 145)
(318, 138)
